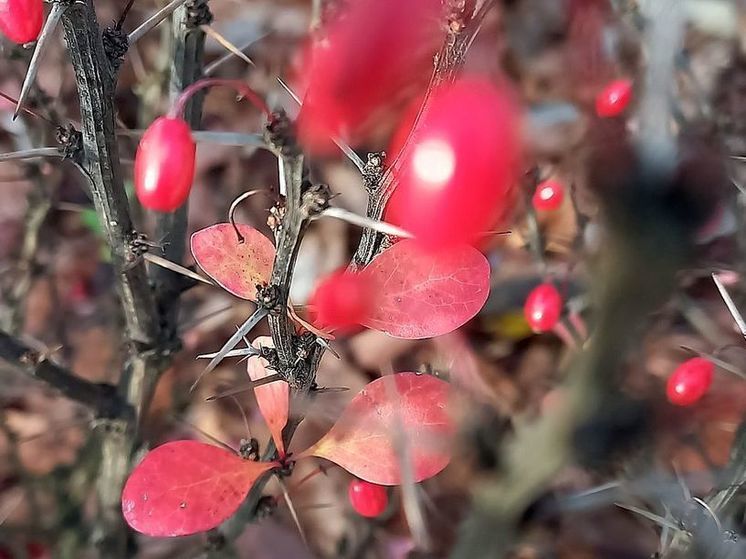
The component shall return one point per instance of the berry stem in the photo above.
(177, 108)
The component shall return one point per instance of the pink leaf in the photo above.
(272, 398)
(236, 266)
(405, 408)
(185, 487)
(417, 294)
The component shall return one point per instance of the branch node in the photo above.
(280, 134)
(268, 297)
(71, 142)
(198, 13)
(373, 171)
(315, 199)
(116, 45)
(249, 449)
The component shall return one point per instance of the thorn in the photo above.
(737, 317)
(327, 389)
(211, 68)
(153, 21)
(252, 321)
(31, 154)
(716, 361)
(248, 351)
(292, 510)
(58, 8)
(659, 520)
(226, 44)
(26, 109)
(362, 221)
(245, 388)
(205, 434)
(174, 267)
(235, 139)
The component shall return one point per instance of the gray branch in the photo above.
(171, 228)
(102, 399)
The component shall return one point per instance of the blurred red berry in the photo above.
(543, 307)
(690, 381)
(368, 499)
(164, 165)
(456, 175)
(374, 50)
(614, 98)
(35, 550)
(340, 301)
(548, 196)
(21, 20)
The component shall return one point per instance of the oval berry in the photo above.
(368, 499)
(614, 98)
(548, 196)
(340, 301)
(164, 165)
(543, 307)
(457, 173)
(690, 381)
(21, 20)
(370, 53)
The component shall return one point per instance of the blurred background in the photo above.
(56, 287)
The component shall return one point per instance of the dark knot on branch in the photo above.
(280, 133)
(198, 13)
(116, 45)
(71, 142)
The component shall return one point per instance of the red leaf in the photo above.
(236, 266)
(273, 398)
(417, 294)
(406, 408)
(185, 487)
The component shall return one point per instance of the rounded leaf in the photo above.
(273, 399)
(237, 266)
(185, 487)
(417, 294)
(164, 165)
(404, 410)
(21, 20)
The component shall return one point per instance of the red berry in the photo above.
(548, 196)
(21, 20)
(164, 165)
(690, 381)
(543, 307)
(372, 51)
(457, 173)
(368, 499)
(614, 98)
(340, 301)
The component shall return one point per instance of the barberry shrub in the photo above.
(462, 190)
